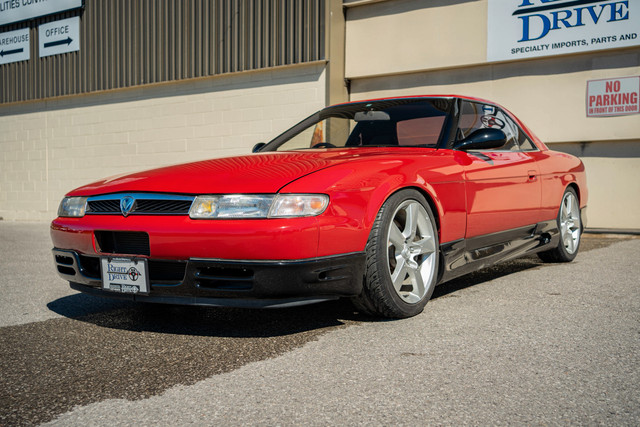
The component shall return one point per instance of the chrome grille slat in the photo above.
(145, 204)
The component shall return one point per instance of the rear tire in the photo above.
(402, 258)
(569, 228)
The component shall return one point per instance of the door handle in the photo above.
(533, 176)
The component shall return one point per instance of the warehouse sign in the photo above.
(14, 46)
(520, 29)
(613, 97)
(21, 10)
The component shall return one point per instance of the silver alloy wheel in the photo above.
(411, 251)
(570, 222)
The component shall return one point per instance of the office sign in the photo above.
(59, 37)
(519, 29)
(14, 46)
(613, 97)
(21, 10)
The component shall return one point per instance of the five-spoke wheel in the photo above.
(402, 258)
(569, 228)
(411, 251)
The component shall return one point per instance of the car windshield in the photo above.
(411, 122)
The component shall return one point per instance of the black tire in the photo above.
(404, 249)
(569, 229)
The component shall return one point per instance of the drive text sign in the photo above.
(520, 29)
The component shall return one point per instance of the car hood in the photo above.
(255, 173)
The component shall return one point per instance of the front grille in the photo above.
(165, 207)
(143, 204)
(103, 206)
(224, 278)
(123, 242)
(65, 260)
(89, 265)
(166, 271)
(66, 270)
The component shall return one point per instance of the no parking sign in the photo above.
(613, 97)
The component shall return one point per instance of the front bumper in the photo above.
(216, 282)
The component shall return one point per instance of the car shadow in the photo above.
(203, 321)
(485, 275)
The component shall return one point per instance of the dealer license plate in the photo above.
(125, 275)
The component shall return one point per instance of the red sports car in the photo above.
(377, 201)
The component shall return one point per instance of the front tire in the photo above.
(402, 258)
(570, 229)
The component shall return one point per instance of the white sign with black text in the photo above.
(14, 46)
(21, 10)
(59, 37)
(520, 29)
(613, 97)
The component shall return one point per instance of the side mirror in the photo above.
(482, 139)
(257, 147)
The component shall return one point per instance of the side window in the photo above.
(509, 128)
(469, 121)
(475, 116)
(525, 143)
(516, 139)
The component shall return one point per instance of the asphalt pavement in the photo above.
(520, 343)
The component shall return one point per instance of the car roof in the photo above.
(450, 96)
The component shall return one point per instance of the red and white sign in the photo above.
(613, 97)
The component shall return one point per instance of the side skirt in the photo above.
(467, 255)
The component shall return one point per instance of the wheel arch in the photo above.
(583, 218)
(576, 187)
(435, 208)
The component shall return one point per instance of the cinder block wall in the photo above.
(48, 148)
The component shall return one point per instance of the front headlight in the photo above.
(238, 206)
(72, 207)
(295, 205)
(232, 206)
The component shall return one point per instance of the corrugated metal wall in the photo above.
(127, 43)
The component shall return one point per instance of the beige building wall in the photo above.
(50, 147)
(391, 37)
(408, 47)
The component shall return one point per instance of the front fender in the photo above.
(359, 189)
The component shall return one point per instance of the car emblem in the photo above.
(126, 205)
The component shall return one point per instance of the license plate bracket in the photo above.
(125, 275)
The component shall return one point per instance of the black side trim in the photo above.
(465, 256)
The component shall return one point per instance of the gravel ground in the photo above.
(523, 342)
